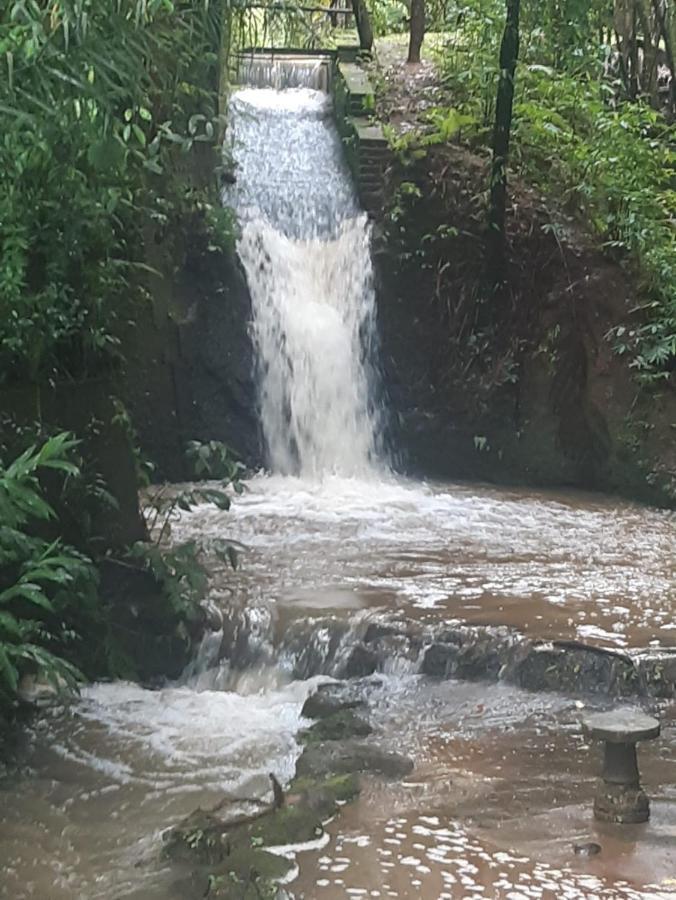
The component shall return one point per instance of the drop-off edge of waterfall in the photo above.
(305, 247)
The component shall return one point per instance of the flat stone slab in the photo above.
(356, 79)
(621, 726)
(368, 132)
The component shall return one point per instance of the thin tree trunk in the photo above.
(661, 17)
(417, 32)
(651, 38)
(361, 15)
(224, 69)
(509, 54)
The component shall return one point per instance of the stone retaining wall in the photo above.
(367, 149)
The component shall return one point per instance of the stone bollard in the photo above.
(619, 796)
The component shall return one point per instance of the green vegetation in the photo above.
(107, 108)
(54, 623)
(592, 128)
(45, 586)
(100, 103)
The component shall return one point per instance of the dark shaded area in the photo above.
(189, 370)
(521, 388)
(88, 409)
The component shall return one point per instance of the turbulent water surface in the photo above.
(502, 781)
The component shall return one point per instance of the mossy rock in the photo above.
(234, 856)
(296, 824)
(200, 837)
(339, 726)
(323, 795)
(342, 757)
(248, 872)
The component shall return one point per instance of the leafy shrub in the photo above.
(96, 100)
(41, 582)
(612, 164)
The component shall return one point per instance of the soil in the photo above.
(523, 386)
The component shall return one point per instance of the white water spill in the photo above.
(111, 772)
(305, 247)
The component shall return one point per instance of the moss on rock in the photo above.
(337, 727)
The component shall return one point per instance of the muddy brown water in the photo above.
(503, 780)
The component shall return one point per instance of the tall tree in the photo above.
(417, 30)
(509, 55)
(364, 27)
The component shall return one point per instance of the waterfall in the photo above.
(305, 247)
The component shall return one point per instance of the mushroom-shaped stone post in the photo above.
(619, 797)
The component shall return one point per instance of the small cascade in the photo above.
(282, 72)
(305, 246)
(250, 650)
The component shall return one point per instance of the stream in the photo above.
(336, 543)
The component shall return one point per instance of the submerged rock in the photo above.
(360, 661)
(333, 758)
(335, 697)
(337, 727)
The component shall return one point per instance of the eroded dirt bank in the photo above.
(521, 387)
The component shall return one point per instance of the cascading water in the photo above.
(375, 565)
(305, 247)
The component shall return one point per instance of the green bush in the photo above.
(43, 584)
(99, 105)
(611, 164)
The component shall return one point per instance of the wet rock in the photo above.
(223, 840)
(337, 727)
(207, 837)
(292, 824)
(589, 849)
(578, 668)
(333, 758)
(439, 660)
(657, 673)
(201, 837)
(360, 661)
(377, 630)
(324, 794)
(247, 874)
(397, 653)
(482, 656)
(313, 646)
(333, 698)
(469, 653)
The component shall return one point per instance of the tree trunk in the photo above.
(509, 54)
(417, 30)
(224, 69)
(361, 15)
(663, 23)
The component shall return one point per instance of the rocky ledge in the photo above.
(243, 849)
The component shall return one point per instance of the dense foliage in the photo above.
(98, 100)
(596, 136)
(46, 587)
